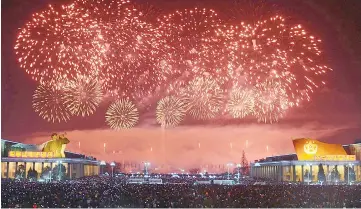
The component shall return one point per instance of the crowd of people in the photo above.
(105, 192)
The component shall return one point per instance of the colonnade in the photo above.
(299, 172)
(268, 172)
(73, 170)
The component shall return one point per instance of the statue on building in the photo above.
(56, 145)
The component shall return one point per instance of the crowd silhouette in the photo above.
(105, 192)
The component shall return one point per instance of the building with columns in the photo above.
(313, 161)
(17, 159)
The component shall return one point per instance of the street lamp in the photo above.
(239, 168)
(112, 164)
(228, 165)
(102, 164)
(146, 164)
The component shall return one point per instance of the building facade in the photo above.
(74, 168)
(44, 162)
(314, 161)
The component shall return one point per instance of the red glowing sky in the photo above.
(334, 115)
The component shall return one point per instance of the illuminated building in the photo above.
(20, 160)
(340, 163)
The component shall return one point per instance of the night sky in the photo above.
(333, 115)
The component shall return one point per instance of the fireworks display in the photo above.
(203, 97)
(270, 49)
(82, 96)
(191, 46)
(196, 61)
(49, 103)
(271, 102)
(122, 114)
(130, 48)
(132, 72)
(170, 111)
(58, 43)
(241, 102)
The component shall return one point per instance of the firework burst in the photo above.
(241, 102)
(122, 114)
(271, 102)
(49, 103)
(203, 97)
(170, 111)
(131, 48)
(59, 43)
(271, 49)
(191, 46)
(148, 12)
(250, 11)
(83, 96)
(105, 11)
